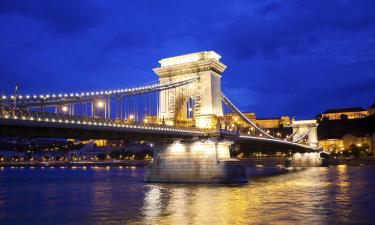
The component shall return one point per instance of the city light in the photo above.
(64, 108)
(100, 104)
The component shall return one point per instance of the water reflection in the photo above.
(100, 195)
(283, 199)
(340, 193)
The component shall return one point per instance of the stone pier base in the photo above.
(308, 159)
(198, 162)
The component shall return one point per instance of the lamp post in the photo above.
(15, 99)
(95, 104)
(64, 109)
(100, 104)
(131, 118)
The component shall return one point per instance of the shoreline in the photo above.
(76, 163)
(141, 163)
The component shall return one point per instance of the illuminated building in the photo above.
(357, 139)
(232, 118)
(350, 113)
(150, 119)
(265, 123)
(275, 122)
(331, 145)
(348, 140)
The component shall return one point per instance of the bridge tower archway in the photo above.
(309, 127)
(205, 92)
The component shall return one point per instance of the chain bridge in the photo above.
(185, 107)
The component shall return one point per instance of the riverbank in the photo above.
(280, 161)
(353, 162)
(103, 163)
(267, 162)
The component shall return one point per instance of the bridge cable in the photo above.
(303, 136)
(292, 135)
(244, 117)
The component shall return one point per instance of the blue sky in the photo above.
(294, 58)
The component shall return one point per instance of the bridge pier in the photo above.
(198, 162)
(307, 159)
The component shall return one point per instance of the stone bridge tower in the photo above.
(301, 127)
(198, 103)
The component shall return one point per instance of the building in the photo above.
(233, 118)
(351, 113)
(278, 127)
(276, 122)
(358, 139)
(264, 123)
(347, 141)
(151, 120)
(330, 145)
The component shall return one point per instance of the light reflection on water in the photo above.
(335, 195)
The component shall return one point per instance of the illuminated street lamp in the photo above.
(64, 108)
(131, 117)
(145, 120)
(100, 104)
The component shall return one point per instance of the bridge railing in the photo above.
(6, 113)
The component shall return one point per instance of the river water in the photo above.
(111, 195)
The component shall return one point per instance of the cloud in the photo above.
(294, 27)
(284, 57)
(64, 16)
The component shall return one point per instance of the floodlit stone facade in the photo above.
(205, 92)
(207, 161)
(350, 113)
(301, 127)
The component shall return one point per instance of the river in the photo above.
(113, 195)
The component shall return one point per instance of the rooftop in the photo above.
(269, 118)
(341, 110)
(193, 57)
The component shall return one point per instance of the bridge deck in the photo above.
(78, 129)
